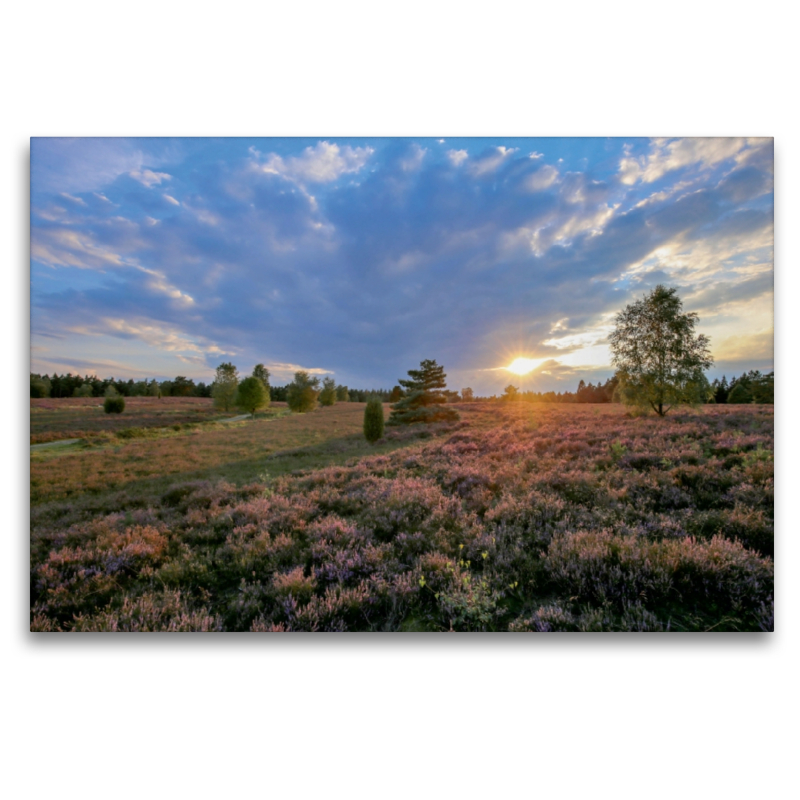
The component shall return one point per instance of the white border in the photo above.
(403, 716)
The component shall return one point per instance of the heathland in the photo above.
(520, 516)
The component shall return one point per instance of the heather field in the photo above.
(521, 517)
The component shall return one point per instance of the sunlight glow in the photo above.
(522, 366)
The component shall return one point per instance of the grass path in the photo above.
(57, 443)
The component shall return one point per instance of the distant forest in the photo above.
(750, 387)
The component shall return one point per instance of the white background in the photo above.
(463, 716)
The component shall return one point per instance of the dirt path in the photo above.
(59, 443)
(235, 419)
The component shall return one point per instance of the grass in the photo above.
(84, 417)
(140, 460)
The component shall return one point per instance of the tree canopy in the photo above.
(225, 386)
(302, 393)
(252, 395)
(424, 398)
(659, 358)
(327, 397)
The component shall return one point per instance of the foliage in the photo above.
(225, 385)
(342, 394)
(114, 404)
(740, 394)
(262, 373)
(467, 395)
(40, 387)
(302, 393)
(659, 358)
(510, 393)
(327, 397)
(252, 395)
(83, 391)
(424, 397)
(373, 419)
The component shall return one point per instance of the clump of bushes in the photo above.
(114, 405)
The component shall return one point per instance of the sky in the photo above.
(360, 257)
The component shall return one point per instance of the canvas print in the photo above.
(402, 384)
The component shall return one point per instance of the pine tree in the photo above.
(373, 419)
(424, 397)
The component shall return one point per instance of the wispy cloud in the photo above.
(323, 163)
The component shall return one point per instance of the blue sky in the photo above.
(358, 258)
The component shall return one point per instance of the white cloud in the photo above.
(149, 178)
(158, 283)
(171, 199)
(69, 248)
(492, 161)
(73, 199)
(667, 155)
(457, 156)
(284, 370)
(323, 163)
(156, 334)
(541, 179)
(535, 155)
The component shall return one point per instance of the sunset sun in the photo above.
(522, 366)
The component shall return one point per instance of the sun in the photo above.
(522, 366)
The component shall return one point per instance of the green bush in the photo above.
(373, 419)
(114, 405)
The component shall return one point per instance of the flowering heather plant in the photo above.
(522, 517)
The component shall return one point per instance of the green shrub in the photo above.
(373, 419)
(114, 405)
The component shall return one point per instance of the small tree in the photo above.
(511, 393)
(373, 419)
(659, 358)
(424, 399)
(114, 404)
(327, 397)
(397, 394)
(262, 373)
(302, 393)
(85, 390)
(225, 386)
(342, 394)
(252, 395)
(467, 395)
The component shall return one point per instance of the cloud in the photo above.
(667, 155)
(73, 199)
(171, 200)
(149, 178)
(156, 334)
(323, 163)
(457, 157)
(541, 179)
(491, 161)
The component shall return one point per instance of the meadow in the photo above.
(520, 517)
